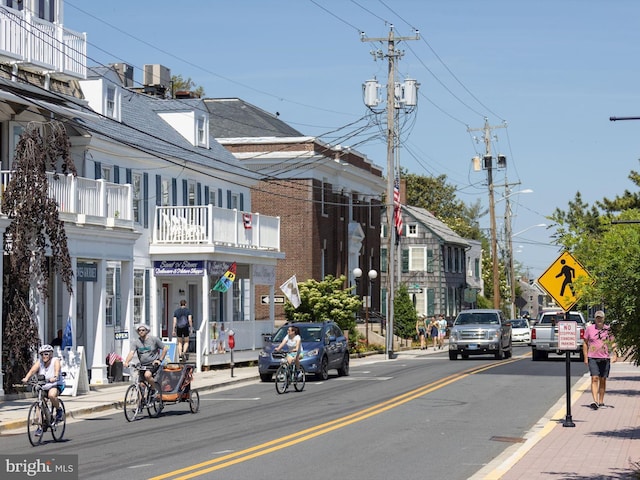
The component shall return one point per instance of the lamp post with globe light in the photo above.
(357, 274)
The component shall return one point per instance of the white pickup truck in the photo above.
(544, 334)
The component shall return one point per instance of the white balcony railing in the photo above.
(211, 225)
(41, 45)
(92, 201)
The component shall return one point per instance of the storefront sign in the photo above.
(87, 272)
(178, 268)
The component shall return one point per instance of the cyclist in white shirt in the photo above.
(294, 345)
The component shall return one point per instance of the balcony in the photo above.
(41, 46)
(85, 201)
(208, 225)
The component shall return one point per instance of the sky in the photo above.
(548, 73)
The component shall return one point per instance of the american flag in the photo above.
(397, 211)
(112, 358)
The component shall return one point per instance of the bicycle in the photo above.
(288, 374)
(139, 396)
(42, 415)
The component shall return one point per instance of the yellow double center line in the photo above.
(309, 433)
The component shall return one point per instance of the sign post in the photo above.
(567, 332)
(558, 280)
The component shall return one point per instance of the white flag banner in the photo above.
(290, 289)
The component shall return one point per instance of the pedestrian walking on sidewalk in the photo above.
(599, 349)
(434, 330)
(421, 331)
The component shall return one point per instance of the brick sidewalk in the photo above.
(603, 445)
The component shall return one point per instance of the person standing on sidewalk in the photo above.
(599, 349)
(182, 326)
(421, 331)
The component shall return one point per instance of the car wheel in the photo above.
(500, 354)
(265, 377)
(343, 371)
(323, 371)
(453, 355)
(508, 353)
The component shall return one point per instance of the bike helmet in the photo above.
(45, 348)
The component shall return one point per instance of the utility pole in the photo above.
(487, 164)
(392, 103)
(509, 240)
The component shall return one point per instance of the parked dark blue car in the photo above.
(325, 348)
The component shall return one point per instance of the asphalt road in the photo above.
(415, 418)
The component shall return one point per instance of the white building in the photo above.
(158, 211)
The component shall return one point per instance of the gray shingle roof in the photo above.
(234, 118)
(439, 228)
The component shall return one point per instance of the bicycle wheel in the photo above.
(35, 424)
(194, 401)
(132, 403)
(300, 379)
(282, 379)
(58, 428)
(155, 404)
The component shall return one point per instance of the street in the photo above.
(418, 417)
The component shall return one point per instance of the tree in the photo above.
(404, 314)
(326, 300)
(179, 84)
(35, 241)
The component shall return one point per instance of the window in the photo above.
(417, 259)
(110, 289)
(412, 230)
(235, 201)
(16, 131)
(46, 10)
(136, 193)
(105, 171)
(212, 197)
(476, 268)
(16, 4)
(383, 260)
(202, 131)
(191, 193)
(165, 193)
(111, 102)
(138, 296)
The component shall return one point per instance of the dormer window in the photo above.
(202, 131)
(111, 102)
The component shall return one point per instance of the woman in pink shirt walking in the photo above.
(599, 350)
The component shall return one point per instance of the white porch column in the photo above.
(126, 302)
(98, 362)
(203, 337)
(1, 334)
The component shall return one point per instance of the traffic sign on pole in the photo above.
(558, 280)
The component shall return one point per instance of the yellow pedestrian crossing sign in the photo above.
(558, 280)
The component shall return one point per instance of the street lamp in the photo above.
(357, 274)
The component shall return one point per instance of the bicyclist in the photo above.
(294, 345)
(49, 366)
(150, 350)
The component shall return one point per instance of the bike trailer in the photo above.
(175, 382)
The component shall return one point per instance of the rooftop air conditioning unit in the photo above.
(157, 74)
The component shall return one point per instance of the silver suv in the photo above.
(480, 332)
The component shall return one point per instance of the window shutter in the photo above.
(158, 190)
(198, 193)
(128, 176)
(98, 170)
(185, 193)
(116, 174)
(174, 192)
(145, 199)
(228, 198)
(220, 198)
(206, 195)
(242, 202)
